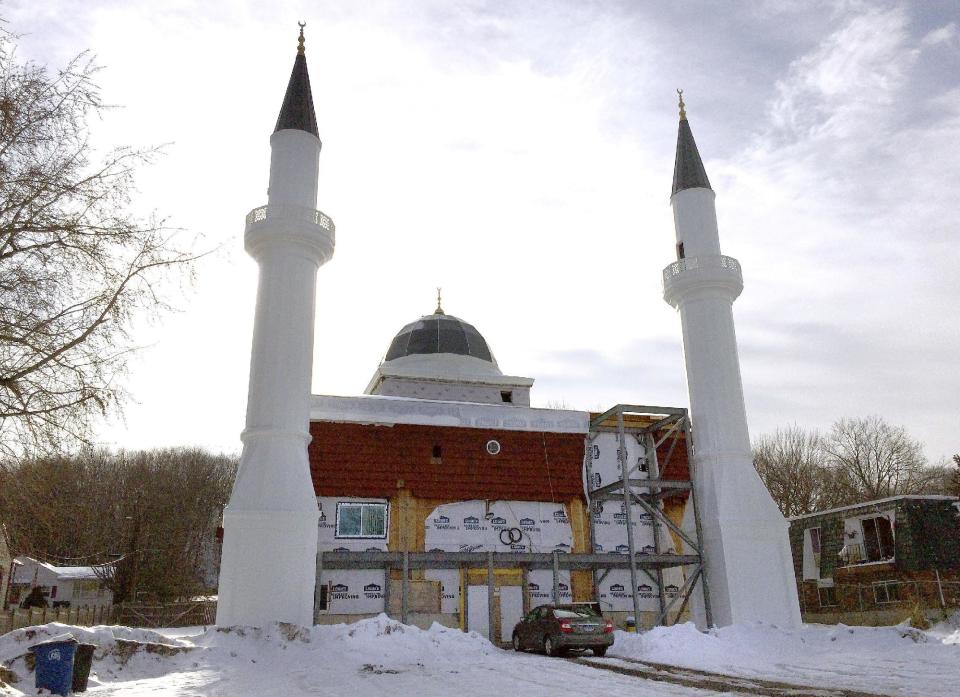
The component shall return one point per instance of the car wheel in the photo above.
(600, 651)
(548, 648)
(516, 642)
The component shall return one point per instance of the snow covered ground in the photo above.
(383, 657)
(886, 660)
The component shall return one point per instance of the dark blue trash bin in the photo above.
(54, 669)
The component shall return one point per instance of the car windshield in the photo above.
(573, 613)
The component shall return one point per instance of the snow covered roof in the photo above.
(876, 502)
(376, 409)
(25, 572)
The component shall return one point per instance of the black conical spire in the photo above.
(297, 110)
(688, 171)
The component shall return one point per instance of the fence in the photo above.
(81, 616)
(128, 614)
(167, 615)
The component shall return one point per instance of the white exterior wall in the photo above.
(70, 584)
(271, 520)
(695, 222)
(451, 391)
(743, 534)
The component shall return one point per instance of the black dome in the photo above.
(439, 333)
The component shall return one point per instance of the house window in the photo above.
(886, 592)
(877, 538)
(811, 554)
(680, 250)
(323, 602)
(363, 520)
(828, 596)
(506, 397)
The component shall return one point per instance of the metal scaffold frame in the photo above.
(659, 425)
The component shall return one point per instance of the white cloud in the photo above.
(940, 35)
(522, 159)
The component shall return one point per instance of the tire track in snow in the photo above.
(663, 673)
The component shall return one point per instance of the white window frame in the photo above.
(863, 536)
(828, 589)
(360, 504)
(886, 591)
(811, 559)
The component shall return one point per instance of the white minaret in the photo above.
(268, 571)
(744, 536)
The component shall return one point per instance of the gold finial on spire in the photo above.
(439, 310)
(683, 110)
(300, 50)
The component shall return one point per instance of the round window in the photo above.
(493, 447)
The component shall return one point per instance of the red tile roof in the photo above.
(348, 459)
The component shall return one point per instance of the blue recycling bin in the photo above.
(54, 669)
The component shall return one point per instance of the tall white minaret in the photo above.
(268, 570)
(744, 536)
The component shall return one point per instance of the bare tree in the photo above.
(75, 263)
(858, 460)
(791, 463)
(874, 460)
(151, 514)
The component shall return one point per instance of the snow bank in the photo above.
(892, 660)
(948, 631)
(254, 660)
(380, 656)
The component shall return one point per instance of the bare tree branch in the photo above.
(76, 266)
(126, 509)
(858, 460)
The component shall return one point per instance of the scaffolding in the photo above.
(652, 427)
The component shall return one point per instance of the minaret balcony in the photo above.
(713, 272)
(310, 230)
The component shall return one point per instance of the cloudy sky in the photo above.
(520, 155)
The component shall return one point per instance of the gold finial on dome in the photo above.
(439, 310)
(300, 49)
(683, 110)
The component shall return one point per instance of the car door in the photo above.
(543, 624)
(529, 629)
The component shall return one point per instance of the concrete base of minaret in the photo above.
(270, 561)
(268, 570)
(744, 539)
